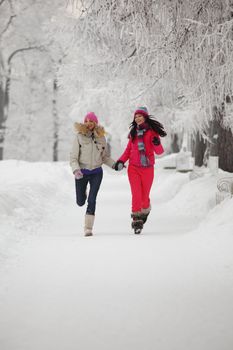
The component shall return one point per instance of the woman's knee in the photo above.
(80, 203)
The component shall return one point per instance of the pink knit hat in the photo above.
(91, 116)
(143, 111)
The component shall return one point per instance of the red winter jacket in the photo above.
(132, 153)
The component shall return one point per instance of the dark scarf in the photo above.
(141, 129)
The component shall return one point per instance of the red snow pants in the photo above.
(140, 180)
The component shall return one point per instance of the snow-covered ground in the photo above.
(170, 288)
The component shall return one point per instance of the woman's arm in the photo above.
(125, 156)
(107, 160)
(158, 148)
(74, 155)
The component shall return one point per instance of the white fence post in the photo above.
(184, 161)
(213, 164)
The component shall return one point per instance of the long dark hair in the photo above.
(153, 124)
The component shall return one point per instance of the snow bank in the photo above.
(168, 288)
(31, 192)
(27, 190)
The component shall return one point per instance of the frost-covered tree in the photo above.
(29, 80)
(205, 51)
(7, 16)
(179, 51)
(113, 55)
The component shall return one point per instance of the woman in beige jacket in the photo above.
(88, 153)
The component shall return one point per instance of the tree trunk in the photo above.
(214, 130)
(5, 98)
(4, 107)
(199, 150)
(1, 121)
(175, 148)
(225, 143)
(55, 122)
(221, 141)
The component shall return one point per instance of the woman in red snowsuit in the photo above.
(144, 141)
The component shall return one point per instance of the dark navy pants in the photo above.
(81, 187)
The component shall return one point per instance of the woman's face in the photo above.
(90, 124)
(139, 119)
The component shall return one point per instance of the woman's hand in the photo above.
(119, 165)
(156, 141)
(78, 174)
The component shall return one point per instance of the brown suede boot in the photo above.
(89, 222)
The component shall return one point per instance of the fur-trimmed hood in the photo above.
(83, 129)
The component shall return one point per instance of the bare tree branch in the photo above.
(187, 29)
(7, 25)
(22, 50)
(162, 75)
(133, 53)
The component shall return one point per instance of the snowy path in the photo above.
(168, 289)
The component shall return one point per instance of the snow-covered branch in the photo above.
(14, 53)
(7, 25)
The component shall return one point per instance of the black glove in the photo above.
(156, 141)
(119, 165)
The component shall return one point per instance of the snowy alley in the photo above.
(94, 85)
(169, 288)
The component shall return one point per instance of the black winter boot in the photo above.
(145, 213)
(137, 223)
(144, 217)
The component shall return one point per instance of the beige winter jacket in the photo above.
(89, 150)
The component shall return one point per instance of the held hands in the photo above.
(156, 141)
(119, 165)
(78, 174)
